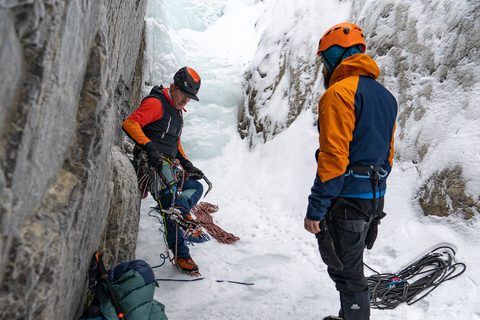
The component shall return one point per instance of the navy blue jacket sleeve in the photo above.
(322, 195)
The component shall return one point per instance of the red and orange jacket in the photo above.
(157, 121)
(356, 122)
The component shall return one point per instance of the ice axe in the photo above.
(103, 275)
(209, 185)
(198, 176)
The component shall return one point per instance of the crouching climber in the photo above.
(156, 128)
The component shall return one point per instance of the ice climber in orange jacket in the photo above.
(356, 123)
(156, 127)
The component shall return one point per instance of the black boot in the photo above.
(355, 306)
(332, 318)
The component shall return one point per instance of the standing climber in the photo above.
(356, 123)
(156, 127)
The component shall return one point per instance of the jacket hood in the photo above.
(357, 65)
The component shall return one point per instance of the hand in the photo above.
(193, 171)
(154, 157)
(312, 226)
(371, 234)
(373, 231)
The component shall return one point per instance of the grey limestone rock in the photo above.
(70, 73)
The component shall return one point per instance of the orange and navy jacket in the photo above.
(356, 123)
(157, 121)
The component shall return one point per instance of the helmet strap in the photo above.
(340, 58)
(327, 63)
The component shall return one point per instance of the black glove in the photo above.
(192, 171)
(373, 231)
(327, 249)
(154, 156)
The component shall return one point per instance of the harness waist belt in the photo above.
(365, 171)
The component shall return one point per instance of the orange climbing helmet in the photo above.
(188, 81)
(344, 34)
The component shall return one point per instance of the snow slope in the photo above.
(262, 193)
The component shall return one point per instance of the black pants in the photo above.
(348, 220)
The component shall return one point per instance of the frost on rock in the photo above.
(443, 194)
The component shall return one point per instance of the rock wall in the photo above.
(71, 72)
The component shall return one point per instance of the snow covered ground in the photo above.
(262, 198)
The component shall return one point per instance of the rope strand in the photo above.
(202, 212)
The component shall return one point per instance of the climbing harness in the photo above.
(375, 174)
(388, 290)
(156, 183)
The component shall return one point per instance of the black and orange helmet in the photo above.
(188, 81)
(344, 34)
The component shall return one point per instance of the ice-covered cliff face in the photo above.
(429, 58)
(70, 71)
(285, 74)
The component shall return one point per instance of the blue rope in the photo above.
(237, 282)
(162, 256)
(160, 220)
(180, 280)
(198, 279)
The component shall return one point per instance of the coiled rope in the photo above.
(388, 290)
(202, 212)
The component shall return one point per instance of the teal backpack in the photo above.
(124, 292)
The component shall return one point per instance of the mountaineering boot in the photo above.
(355, 306)
(187, 265)
(332, 318)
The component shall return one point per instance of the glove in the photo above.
(327, 249)
(192, 171)
(154, 156)
(373, 231)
